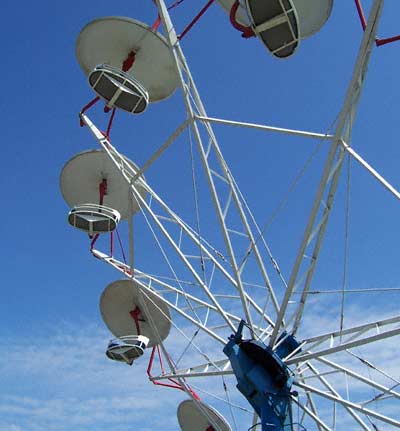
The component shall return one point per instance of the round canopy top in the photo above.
(195, 416)
(81, 176)
(312, 15)
(109, 40)
(122, 297)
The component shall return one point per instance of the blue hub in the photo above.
(263, 378)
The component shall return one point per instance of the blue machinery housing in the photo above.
(263, 378)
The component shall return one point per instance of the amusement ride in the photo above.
(223, 295)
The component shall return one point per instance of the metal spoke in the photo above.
(196, 259)
(294, 132)
(128, 173)
(330, 175)
(344, 346)
(371, 170)
(349, 404)
(334, 392)
(216, 368)
(355, 332)
(359, 377)
(312, 415)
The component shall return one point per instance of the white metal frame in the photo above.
(312, 350)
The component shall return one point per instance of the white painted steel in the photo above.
(313, 236)
(93, 218)
(241, 15)
(216, 368)
(343, 130)
(359, 377)
(123, 296)
(275, 15)
(129, 175)
(118, 89)
(312, 14)
(181, 65)
(199, 417)
(349, 404)
(127, 349)
(81, 176)
(330, 388)
(293, 132)
(347, 112)
(109, 40)
(161, 150)
(314, 416)
(344, 346)
(371, 170)
(126, 271)
(140, 276)
(357, 330)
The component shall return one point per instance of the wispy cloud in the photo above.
(64, 381)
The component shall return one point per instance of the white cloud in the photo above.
(9, 427)
(64, 381)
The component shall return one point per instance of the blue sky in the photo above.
(53, 371)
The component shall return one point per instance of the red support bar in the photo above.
(173, 381)
(246, 31)
(126, 271)
(86, 107)
(194, 394)
(195, 19)
(157, 23)
(167, 385)
(110, 124)
(361, 14)
(102, 191)
(128, 62)
(93, 242)
(380, 42)
(135, 316)
(150, 366)
(174, 384)
(122, 268)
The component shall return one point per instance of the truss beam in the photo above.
(346, 115)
